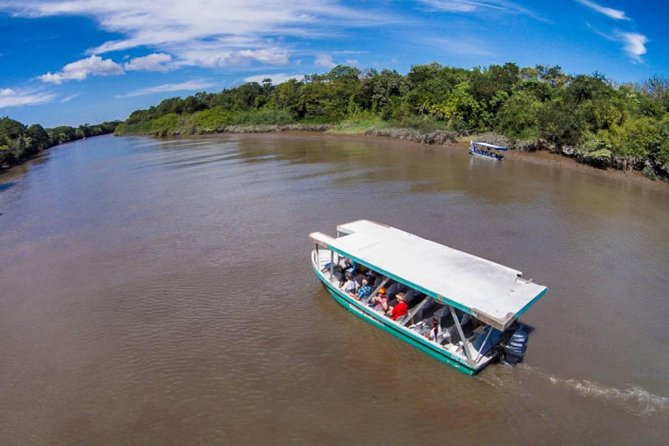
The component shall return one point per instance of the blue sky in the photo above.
(85, 61)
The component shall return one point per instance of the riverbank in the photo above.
(20, 143)
(534, 153)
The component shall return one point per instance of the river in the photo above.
(160, 292)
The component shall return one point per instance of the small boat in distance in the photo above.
(485, 150)
(456, 307)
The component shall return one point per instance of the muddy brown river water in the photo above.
(160, 292)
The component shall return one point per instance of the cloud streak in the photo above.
(634, 44)
(474, 6)
(191, 85)
(611, 13)
(10, 97)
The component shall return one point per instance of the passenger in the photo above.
(359, 278)
(380, 301)
(371, 277)
(400, 309)
(435, 331)
(393, 289)
(350, 286)
(347, 266)
(364, 291)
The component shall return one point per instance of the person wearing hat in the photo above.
(380, 301)
(400, 309)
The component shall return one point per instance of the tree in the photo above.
(518, 117)
(634, 140)
(39, 136)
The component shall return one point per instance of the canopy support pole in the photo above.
(416, 309)
(465, 342)
(331, 264)
(373, 293)
(478, 355)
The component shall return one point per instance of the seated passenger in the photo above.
(435, 331)
(347, 266)
(359, 278)
(350, 286)
(393, 289)
(400, 309)
(364, 291)
(380, 301)
(371, 277)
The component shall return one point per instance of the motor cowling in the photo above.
(516, 346)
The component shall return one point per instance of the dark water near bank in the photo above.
(159, 292)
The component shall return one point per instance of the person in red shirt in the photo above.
(400, 309)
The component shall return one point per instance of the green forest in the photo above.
(589, 117)
(19, 142)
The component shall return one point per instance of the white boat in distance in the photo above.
(475, 302)
(485, 150)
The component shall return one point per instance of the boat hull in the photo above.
(386, 324)
(481, 155)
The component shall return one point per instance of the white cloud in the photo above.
(471, 6)
(69, 98)
(615, 14)
(353, 62)
(270, 56)
(634, 44)
(206, 32)
(277, 78)
(324, 60)
(164, 88)
(15, 98)
(81, 69)
(150, 62)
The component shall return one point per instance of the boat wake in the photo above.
(632, 398)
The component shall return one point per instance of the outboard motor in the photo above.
(514, 349)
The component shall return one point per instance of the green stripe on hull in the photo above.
(441, 355)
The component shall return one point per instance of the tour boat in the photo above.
(485, 150)
(475, 302)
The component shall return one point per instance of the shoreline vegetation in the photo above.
(19, 143)
(585, 117)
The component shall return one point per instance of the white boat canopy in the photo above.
(493, 293)
(491, 146)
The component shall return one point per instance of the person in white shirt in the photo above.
(435, 331)
(350, 286)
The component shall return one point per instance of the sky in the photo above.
(70, 62)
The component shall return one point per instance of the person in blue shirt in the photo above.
(349, 266)
(364, 291)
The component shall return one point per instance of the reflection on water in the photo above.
(7, 185)
(159, 291)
